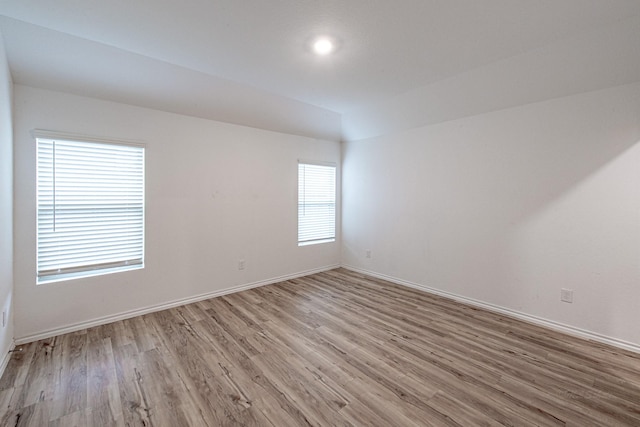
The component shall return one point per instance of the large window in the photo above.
(90, 201)
(316, 203)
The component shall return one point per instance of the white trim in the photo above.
(315, 242)
(159, 307)
(550, 324)
(65, 136)
(318, 163)
(6, 358)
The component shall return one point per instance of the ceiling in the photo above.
(176, 56)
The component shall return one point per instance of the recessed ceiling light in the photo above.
(323, 46)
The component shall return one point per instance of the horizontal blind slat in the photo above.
(90, 206)
(316, 203)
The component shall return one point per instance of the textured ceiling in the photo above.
(386, 47)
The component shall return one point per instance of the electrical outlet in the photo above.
(566, 295)
(368, 253)
(241, 264)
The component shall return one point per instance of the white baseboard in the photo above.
(6, 358)
(159, 307)
(570, 330)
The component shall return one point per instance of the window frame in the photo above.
(333, 237)
(90, 269)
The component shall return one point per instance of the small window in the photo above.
(90, 201)
(316, 203)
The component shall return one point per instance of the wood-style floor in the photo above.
(334, 348)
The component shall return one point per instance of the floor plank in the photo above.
(333, 348)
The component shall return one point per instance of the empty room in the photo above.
(320, 213)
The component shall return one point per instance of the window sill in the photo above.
(83, 274)
(315, 242)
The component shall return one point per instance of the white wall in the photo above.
(6, 206)
(215, 193)
(509, 207)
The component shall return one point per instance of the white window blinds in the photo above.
(316, 203)
(90, 199)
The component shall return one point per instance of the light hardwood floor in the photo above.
(334, 348)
